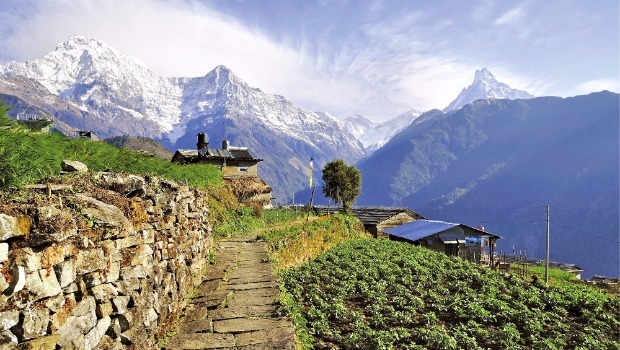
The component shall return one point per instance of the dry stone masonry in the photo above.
(99, 261)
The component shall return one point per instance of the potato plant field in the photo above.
(380, 294)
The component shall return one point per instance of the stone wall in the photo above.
(100, 261)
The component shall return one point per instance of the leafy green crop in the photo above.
(379, 294)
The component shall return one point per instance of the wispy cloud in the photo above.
(597, 85)
(511, 17)
(377, 59)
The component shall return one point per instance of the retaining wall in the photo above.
(100, 261)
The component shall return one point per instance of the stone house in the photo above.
(239, 168)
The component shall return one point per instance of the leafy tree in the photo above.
(341, 182)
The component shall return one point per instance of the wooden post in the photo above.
(311, 202)
(547, 251)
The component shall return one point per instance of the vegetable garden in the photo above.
(380, 294)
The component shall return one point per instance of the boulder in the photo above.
(73, 166)
(105, 215)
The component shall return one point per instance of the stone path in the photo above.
(236, 303)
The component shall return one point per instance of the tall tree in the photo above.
(341, 182)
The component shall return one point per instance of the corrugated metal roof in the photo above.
(419, 229)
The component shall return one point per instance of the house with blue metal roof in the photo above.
(451, 238)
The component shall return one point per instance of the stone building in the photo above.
(239, 169)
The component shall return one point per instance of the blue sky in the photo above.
(374, 58)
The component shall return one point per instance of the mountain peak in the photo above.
(80, 42)
(485, 86)
(484, 74)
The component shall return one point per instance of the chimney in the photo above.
(202, 144)
(225, 144)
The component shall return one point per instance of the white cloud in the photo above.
(510, 17)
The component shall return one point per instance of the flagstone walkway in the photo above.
(235, 306)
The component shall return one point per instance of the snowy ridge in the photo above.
(485, 86)
(373, 136)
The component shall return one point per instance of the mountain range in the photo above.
(498, 163)
(88, 85)
(493, 147)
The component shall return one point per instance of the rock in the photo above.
(105, 215)
(8, 340)
(104, 309)
(18, 280)
(8, 319)
(33, 323)
(90, 260)
(44, 343)
(83, 319)
(114, 272)
(131, 272)
(4, 252)
(55, 303)
(94, 336)
(143, 256)
(9, 227)
(119, 304)
(73, 166)
(114, 331)
(104, 292)
(65, 272)
(60, 317)
(42, 284)
(4, 284)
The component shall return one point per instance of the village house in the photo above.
(239, 169)
(34, 122)
(460, 240)
(377, 219)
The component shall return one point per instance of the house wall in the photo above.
(240, 169)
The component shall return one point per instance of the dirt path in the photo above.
(235, 305)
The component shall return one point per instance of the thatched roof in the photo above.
(372, 215)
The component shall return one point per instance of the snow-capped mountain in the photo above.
(91, 86)
(485, 86)
(357, 125)
(372, 135)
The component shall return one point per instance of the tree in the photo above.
(341, 182)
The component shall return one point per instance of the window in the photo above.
(243, 169)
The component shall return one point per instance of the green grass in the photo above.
(554, 274)
(29, 157)
(380, 294)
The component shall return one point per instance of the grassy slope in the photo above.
(379, 294)
(28, 157)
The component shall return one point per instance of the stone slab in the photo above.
(241, 325)
(279, 338)
(198, 326)
(263, 311)
(201, 341)
(255, 285)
